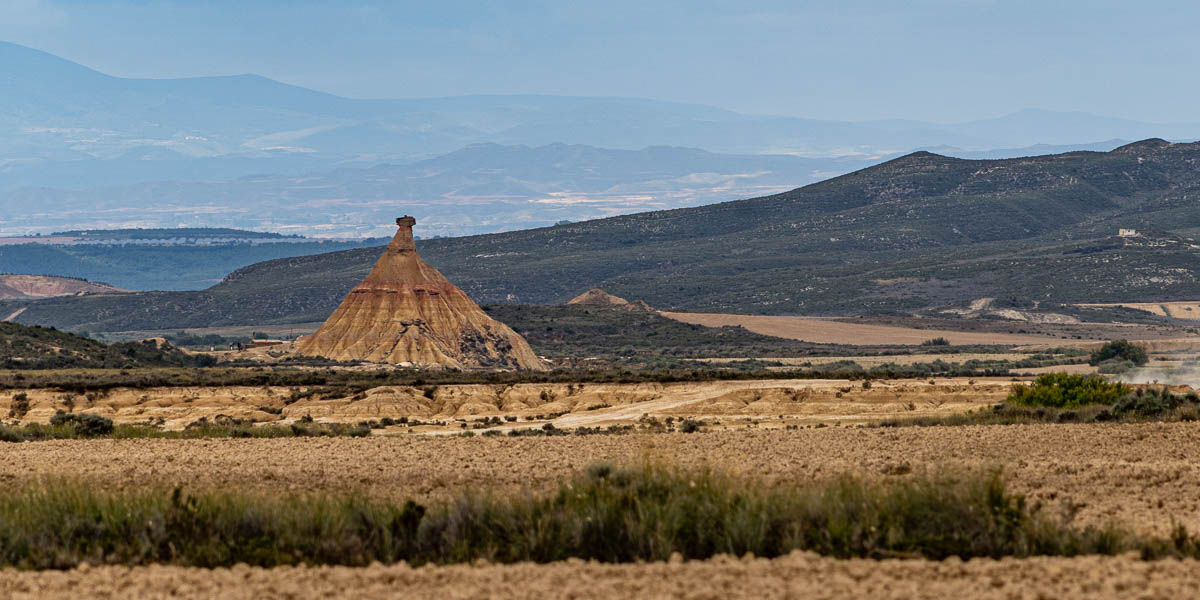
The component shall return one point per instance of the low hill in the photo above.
(24, 287)
(921, 232)
(581, 331)
(24, 347)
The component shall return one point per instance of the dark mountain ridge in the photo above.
(912, 234)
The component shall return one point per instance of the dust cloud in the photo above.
(1186, 374)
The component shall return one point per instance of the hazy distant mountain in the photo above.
(919, 233)
(65, 125)
(481, 188)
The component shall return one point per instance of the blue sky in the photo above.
(937, 60)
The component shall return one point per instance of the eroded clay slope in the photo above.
(405, 311)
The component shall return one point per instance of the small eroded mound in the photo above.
(850, 399)
(599, 297)
(438, 402)
(570, 405)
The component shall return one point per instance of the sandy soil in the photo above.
(794, 576)
(1141, 476)
(826, 331)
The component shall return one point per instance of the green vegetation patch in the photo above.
(71, 426)
(1065, 390)
(344, 382)
(607, 514)
(1062, 398)
(1118, 356)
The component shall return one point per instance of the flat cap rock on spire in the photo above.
(405, 311)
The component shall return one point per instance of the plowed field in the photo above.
(794, 576)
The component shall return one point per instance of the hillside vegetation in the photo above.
(915, 233)
(580, 331)
(24, 347)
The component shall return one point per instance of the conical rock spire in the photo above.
(405, 311)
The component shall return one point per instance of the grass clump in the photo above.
(607, 513)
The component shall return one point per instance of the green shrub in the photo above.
(1066, 390)
(1136, 405)
(85, 424)
(19, 406)
(1147, 402)
(1119, 349)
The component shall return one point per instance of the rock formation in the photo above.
(599, 297)
(405, 311)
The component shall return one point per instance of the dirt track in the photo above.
(1141, 476)
(794, 576)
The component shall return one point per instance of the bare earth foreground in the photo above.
(1144, 477)
(794, 576)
